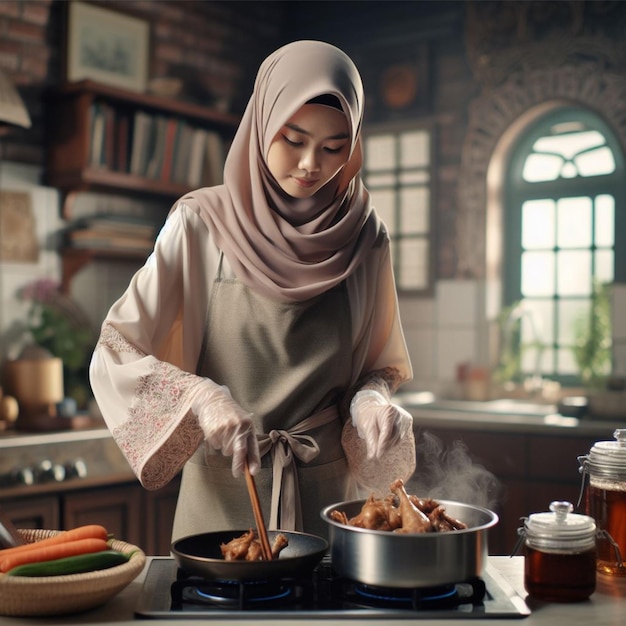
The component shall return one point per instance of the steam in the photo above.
(450, 474)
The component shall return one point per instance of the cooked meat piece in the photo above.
(237, 549)
(374, 515)
(402, 513)
(280, 542)
(413, 520)
(255, 551)
(248, 548)
(443, 522)
(425, 505)
(340, 517)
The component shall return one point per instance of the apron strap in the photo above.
(284, 445)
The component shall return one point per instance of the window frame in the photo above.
(399, 128)
(518, 191)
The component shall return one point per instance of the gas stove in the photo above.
(169, 593)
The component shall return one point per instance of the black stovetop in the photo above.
(168, 593)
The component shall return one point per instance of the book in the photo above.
(196, 157)
(182, 153)
(122, 135)
(140, 143)
(168, 149)
(96, 145)
(155, 158)
(108, 148)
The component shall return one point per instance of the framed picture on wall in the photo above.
(106, 46)
(396, 81)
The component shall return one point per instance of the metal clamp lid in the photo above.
(607, 459)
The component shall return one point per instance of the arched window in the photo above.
(564, 213)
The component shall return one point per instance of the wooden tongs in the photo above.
(266, 550)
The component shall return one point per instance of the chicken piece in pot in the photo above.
(413, 520)
(442, 522)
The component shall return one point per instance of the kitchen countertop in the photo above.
(502, 415)
(606, 607)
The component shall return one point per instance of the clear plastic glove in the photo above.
(227, 427)
(379, 422)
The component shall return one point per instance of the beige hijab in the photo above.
(283, 247)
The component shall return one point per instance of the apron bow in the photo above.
(284, 445)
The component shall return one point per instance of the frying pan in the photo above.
(200, 555)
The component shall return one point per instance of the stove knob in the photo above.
(75, 469)
(22, 476)
(49, 471)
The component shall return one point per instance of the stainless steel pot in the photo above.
(383, 558)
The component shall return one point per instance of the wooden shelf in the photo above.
(74, 259)
(83, 157)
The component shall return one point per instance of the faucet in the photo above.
(512, 348)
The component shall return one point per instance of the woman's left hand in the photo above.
(379, 422)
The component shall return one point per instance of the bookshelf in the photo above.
(107, 140)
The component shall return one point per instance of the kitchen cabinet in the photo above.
(127, 510)
(40, 512)
(110, 141)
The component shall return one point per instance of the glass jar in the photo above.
(605, 499)
(559, 554)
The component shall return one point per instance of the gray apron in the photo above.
(288, 364)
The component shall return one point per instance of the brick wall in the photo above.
(214, 47)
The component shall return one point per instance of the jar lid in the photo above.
(561, 529)
(608, 458)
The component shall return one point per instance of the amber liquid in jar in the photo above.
(558, 576)
(608, 508)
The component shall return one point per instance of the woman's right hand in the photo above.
(227, 427)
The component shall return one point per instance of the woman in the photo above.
(265, 322)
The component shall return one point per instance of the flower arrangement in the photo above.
(56, 323)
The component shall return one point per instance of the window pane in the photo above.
(414, 210)
(380, 153)
(413, 267)
(384, 201)
(596, 162)
(538, 224)
(414, 149)
(381, 180)
(604, 265)
(574, 222)
(574, 272)
(541, 167)
(570, 144)
(569, 312)
(414, 177)
(541, 318)
(537, 273)
(605, 220)
(566, 365)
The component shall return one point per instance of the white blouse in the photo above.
(143, 368)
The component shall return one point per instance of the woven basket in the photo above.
(61, 595)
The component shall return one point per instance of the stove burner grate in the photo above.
(168, 591)
(420, 598)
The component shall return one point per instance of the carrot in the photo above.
(88, 531)
(50, 553)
